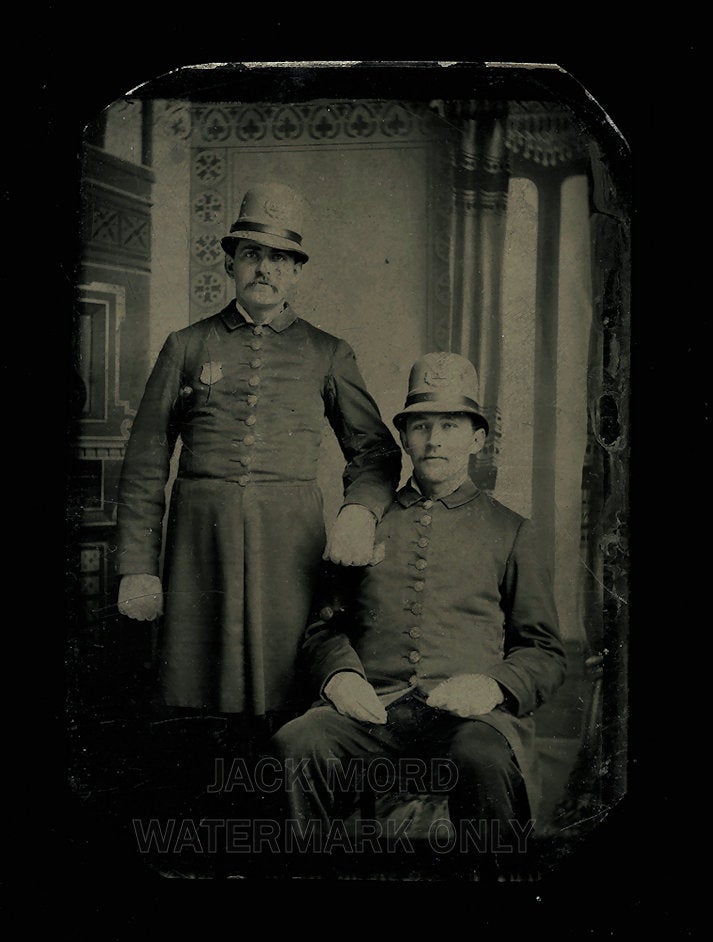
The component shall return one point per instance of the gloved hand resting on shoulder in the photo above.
(351, 542)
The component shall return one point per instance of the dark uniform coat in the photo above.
(462, 589)
(245, 531)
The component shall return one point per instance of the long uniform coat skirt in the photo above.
(245, 531)
(462, 589)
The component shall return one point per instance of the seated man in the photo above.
(444, 645)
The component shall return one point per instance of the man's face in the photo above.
(440, 445)
(263, 276)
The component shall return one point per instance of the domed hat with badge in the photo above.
(442, 382)
(270, 214)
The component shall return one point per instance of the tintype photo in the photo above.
(348, 514)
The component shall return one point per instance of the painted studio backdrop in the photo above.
(493, 223)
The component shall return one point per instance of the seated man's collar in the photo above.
(410, 494)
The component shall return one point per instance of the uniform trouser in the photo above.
(475, 766)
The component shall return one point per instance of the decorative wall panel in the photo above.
(105, 419)
(116, 211)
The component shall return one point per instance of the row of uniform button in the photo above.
(253, 381)
(419, 585)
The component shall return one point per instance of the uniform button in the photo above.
(415, 632)
(254, 381)
(427, 504)
(423, 542)
(249, 440)
(244, 460)
(421, 564)
(252, 400)
(255, 345)
(426, 520)
(417, 608)
(418, 586)
(255, 363)
(251, 420)
(413, 680)
(414, 657)
(258, 331)
(326, 613)
(243, 480)
(187, 390)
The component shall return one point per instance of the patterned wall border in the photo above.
(209, 221)
(315, 122)
(544, 134)
(537, 132)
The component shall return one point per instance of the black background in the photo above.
(640, 865)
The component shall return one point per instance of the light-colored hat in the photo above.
(442, 382)
(270, 214)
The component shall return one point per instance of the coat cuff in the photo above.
(518, 693)
(132, 564)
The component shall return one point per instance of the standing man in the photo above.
(444, 646)
(246, 391)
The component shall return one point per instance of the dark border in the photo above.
(608, 882)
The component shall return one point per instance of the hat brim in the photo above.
(262, 238)
(442, 406)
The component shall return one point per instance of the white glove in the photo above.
(467, 695)
(351, 542)
(353, 696)
(141, 597)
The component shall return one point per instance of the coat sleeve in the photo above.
(145, 471)
(534, 665)
(326, 647)
(373, 457)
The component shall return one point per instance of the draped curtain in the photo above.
(485, 139)
(479, 186)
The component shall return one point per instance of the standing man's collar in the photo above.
(233, 317)
(409, 494)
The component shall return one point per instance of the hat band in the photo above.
(433, 397)
(260, 227)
